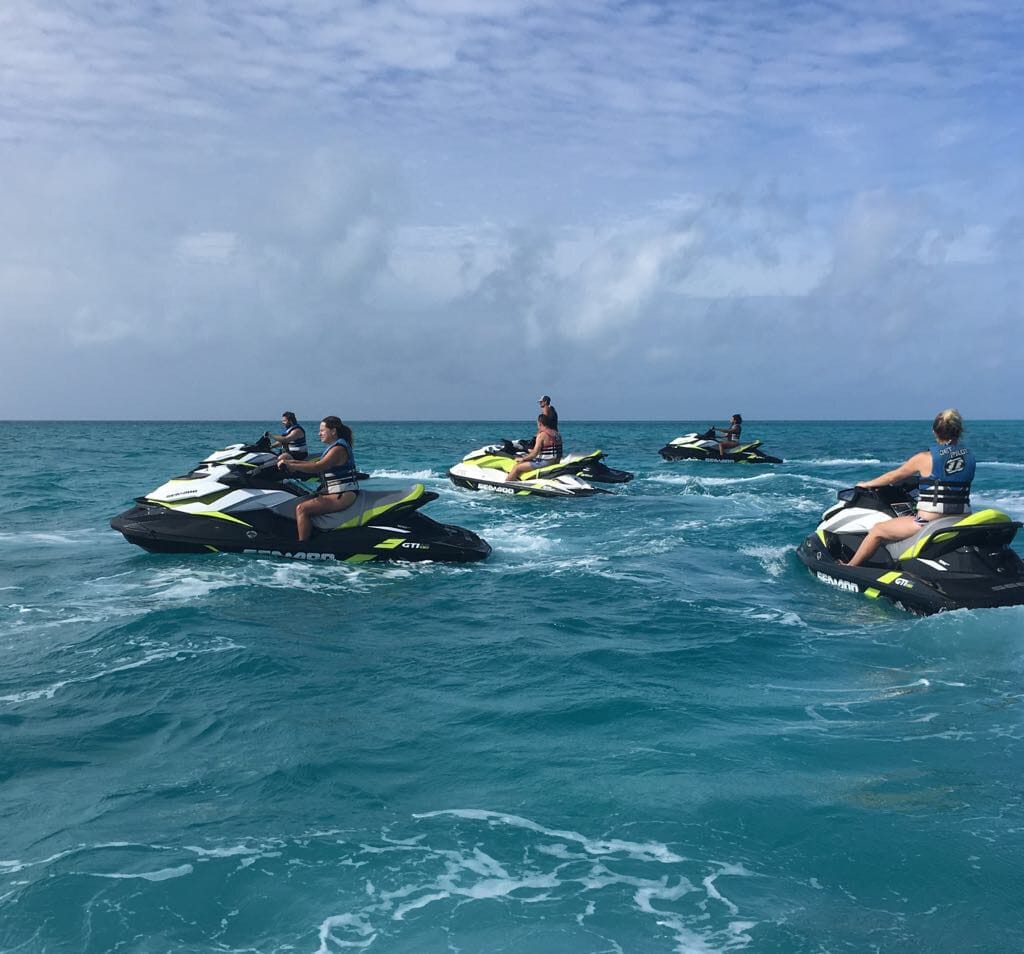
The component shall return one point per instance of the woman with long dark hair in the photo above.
(337, 467)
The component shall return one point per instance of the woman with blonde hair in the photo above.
(945, 470)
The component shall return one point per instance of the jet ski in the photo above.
(485, 469)
(962, 561)
(234, 508)
(258, 458)
(594, 469)
(705, 447)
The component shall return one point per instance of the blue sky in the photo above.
(407, 210)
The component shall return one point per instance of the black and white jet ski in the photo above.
(233, 508)
(963, 561)
(704, 446)
(485, 469)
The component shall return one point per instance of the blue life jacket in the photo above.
(296, 445)
(947, 489)
(342, 478)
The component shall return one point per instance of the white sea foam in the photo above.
(838, 461)
(701, 480)
(773, 559)
(582, 866)
(425, 474)
(164, 874)
(62, 538)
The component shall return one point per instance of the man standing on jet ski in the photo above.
(337, 466)
(547, 449)
(945, 470)
(546, 408)
(293, 439)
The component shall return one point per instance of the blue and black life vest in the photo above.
(342, 478)
(947, 489)
(296, 442)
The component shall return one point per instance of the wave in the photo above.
(150, 656)
(500, 856)
(61, 538)
(836, 461)
(424, 474)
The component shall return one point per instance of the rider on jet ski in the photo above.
(293, 440)
(732, 434)
(338, 469)
(547, 449)
(946, 470)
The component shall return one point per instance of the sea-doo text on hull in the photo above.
(963, 561)
(485, 469)
(230, 509)
(704, 446)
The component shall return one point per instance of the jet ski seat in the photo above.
(368, 506)
(986, 528)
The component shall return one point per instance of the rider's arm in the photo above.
(334, 456)
(533, 451)
(916, 466)
(280, 438)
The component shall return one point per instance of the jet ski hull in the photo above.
(523, 488)
(485, 469)
(705, 447)
(739, 455)
(408, 536)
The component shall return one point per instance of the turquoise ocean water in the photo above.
(640, 726)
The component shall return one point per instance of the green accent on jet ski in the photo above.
(361, 558)
(373, 512)
(890, 576)
(872, 593)
(390, 543)
(821, 537)
(984, 516)
(980, 518)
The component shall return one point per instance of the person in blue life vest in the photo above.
(946, 470)
(732, 434)
(546, 408)
(337, 467)
(546, 449)
(293, 440)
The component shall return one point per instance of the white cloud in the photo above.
(588, 183)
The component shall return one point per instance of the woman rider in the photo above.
(732, 434)
(294, 437)
(946, 470)
(547, 449)
(337, 466)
